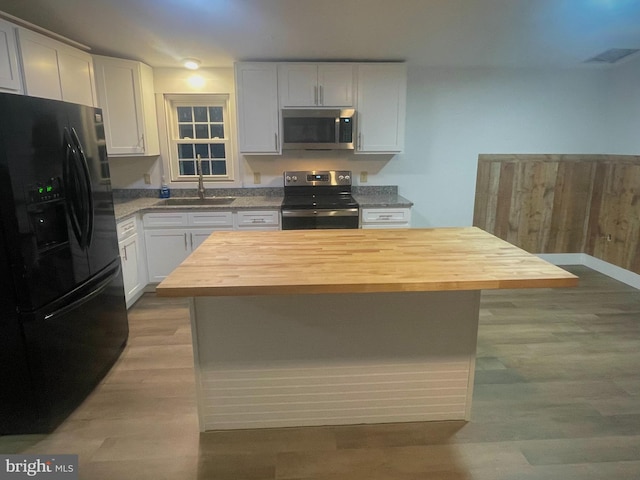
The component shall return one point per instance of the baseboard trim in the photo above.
(613, 271)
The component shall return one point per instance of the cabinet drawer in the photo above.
(211, 219)
(126, 228)
(386, 215)
(165, 219)
(264, 218)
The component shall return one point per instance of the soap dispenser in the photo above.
(164, 189)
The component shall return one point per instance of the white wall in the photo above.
(455, 114)
(624, 109)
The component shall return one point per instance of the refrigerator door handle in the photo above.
(74, 302)
(88, 190)
(71, 185)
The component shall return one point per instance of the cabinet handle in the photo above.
(321, 95)
(315, 95)
(191, 240)
(359, 141)
(124, 251)
(276, 136)
(185, 241)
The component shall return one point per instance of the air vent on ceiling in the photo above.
(613, 55)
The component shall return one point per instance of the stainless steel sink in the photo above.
(189, 201)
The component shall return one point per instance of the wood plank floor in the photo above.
(557, 396)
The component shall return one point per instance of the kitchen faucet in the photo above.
(201, 190)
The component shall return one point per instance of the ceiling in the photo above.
(444, 33)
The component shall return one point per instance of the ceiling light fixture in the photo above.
(191, 63)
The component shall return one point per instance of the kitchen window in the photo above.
(199, 126)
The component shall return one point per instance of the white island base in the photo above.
(334, 359)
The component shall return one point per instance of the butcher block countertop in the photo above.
(234, 263)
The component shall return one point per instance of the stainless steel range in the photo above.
(318, 199)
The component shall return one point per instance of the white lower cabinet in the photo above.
(258, 220)
(171, 237)
(133, 260)
(385, 218)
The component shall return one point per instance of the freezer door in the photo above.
(71, 345)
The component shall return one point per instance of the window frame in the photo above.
(172, 102)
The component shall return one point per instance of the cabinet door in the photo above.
(39, 65)
(258, 115)
(197, 236)
(9, 73)
(381, 107)
(130, 274)
(166, 249)
(298, 84)
(125, 93)
(76, 76)
(335, 85)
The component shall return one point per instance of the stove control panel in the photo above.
(319, 178)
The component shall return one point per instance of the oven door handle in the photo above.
(343, 212)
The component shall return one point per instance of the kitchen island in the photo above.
(328, 327)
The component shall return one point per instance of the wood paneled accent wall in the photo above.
(563, 204)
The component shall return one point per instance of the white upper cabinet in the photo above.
(55, 70)
(316, 85)
(258, 115)
(381, 107)
(126, 96)
(9, 74)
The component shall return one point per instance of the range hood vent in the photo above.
(613, 55)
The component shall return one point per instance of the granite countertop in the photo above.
(125, 207)
(382, 201)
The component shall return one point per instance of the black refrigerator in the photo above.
(63, 318)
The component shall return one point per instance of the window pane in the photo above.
(186, 131)
(217, 150)
(215, 114)
(206, 167)
(219, 168)
(185, 151)
(184, 114)
(187, 167)
(200, 114)
(202, 131)
(202, 150)
(217, 131)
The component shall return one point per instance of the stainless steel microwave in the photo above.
(318, 129)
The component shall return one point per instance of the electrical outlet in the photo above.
(256, 178)
(364, 177)
(147, 179)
